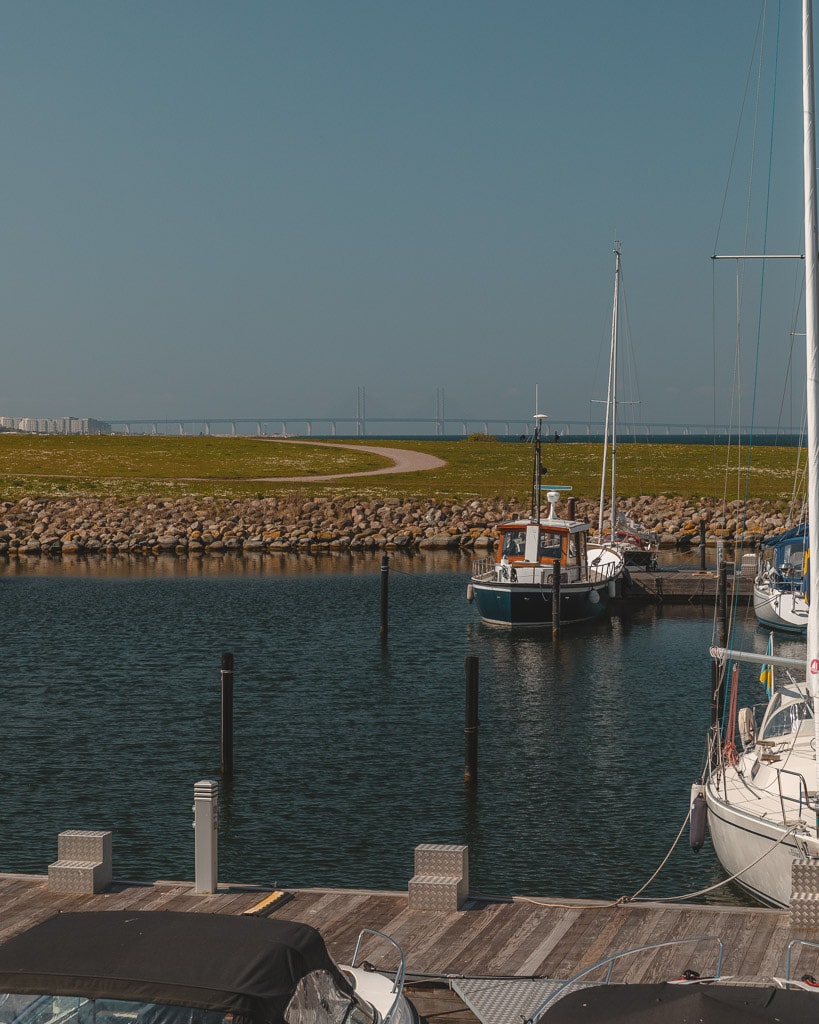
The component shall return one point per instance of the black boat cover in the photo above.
(675, 1004)
(240, 965)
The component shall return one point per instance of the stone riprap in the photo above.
(198, 526)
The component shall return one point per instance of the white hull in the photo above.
(762, 810)
(778, 609)
(740, 839)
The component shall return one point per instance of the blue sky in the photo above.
(255, 209)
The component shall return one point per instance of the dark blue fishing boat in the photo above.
(516, 586)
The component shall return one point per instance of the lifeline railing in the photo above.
(400, 974)
(803, 789)
(791, 944)
(485, 568)
(610, 960)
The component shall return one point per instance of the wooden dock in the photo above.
(681, 586)
(514, 941)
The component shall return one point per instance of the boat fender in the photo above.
(747, 726)
(470, 593)
(699, 813)
(594, 597)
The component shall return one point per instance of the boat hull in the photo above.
(748, 844)
(780, 609)
(504, 603)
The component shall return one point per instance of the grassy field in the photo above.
(130, 467)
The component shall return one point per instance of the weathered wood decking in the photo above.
(519, 938)
(681, 586)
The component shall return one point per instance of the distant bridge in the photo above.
(429, 427)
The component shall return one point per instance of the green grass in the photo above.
(129, 467)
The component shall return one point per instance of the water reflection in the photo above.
(275, 563)
(349, 749)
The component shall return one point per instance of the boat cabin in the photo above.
(527, 543)
(783, 559)
(170, 967)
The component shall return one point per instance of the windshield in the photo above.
(318, 1000)
(33, 1009)
(514, 543)
(550, 545)
(787, 720)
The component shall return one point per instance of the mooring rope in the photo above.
(717, 885)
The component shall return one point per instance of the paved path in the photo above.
(404, 461)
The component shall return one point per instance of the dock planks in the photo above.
(681, 586)
(487, 938)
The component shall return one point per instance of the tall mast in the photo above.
(611, 407)
(537, 471)
(615, 323)
(811, 343)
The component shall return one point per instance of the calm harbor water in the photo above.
(348, 750)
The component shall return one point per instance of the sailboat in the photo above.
(781, 582)
(637, 545)
(542, 559)
(760, 792)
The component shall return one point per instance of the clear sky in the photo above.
(255, 208)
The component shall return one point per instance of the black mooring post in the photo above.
(702, 545)
(385, 594)
(227, 716)
(471, 722)
(722, 604)
(556, 599)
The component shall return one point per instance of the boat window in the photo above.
(318, 1000)
(788, 719)
(792, 557)
(550, 545)
(514, 543)
(50, 1009)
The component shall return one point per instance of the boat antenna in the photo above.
(537, 472)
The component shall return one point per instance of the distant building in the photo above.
(60, 425)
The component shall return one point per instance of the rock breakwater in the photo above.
(199, 526)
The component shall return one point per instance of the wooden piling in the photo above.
(471, 722)
(570, 508)
(556, 599)
(227, 716)
(702, 546)
(385, 594)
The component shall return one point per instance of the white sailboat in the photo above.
(780, 586)
(762, 790)
(637, 545)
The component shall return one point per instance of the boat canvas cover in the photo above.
(796, 533)
(242, 965)
(666, 1003)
